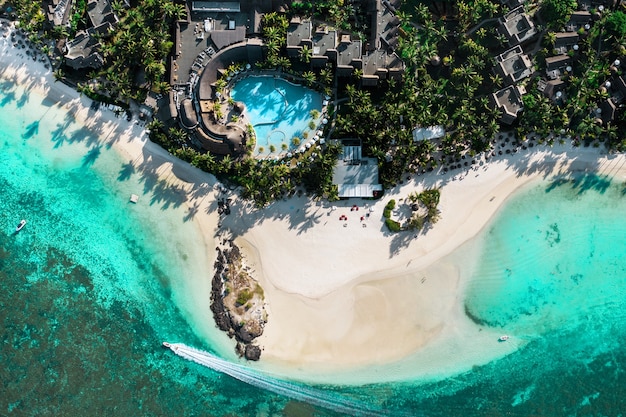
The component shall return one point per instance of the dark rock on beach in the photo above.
(237, 300)
(252, 352)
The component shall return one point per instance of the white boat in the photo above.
(503, 338)
(20, 226)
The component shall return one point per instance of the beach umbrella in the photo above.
(308, 145)
(324, 121)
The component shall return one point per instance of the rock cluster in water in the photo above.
(237, 300)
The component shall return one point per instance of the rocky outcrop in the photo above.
(237, 300)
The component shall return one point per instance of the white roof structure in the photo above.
(358, 190)
(428, 133)
(354, 175)
(216, 6)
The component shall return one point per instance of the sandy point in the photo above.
(341, 296)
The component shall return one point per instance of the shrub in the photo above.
(393, 225)
(391, 204)
(243, 297)
(616, 24)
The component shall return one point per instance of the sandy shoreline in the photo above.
(344, 299)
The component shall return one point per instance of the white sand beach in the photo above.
(348, 299)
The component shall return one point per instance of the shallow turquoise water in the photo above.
(278, 110)
(88, 290)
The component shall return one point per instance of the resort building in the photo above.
(606, 111)
(509, 102)
(556, 65)
(517, 26)
(385, 25)
(83, 51)
(324, 45)
(57, 12)
(553, 89)
(348, 56)
(513, 65)
(579, 20)
(215, 6)
(428, 133)
(376, 58)
(100, 11)
(618, 89)
(566, 41)
(381, 65)
(355, 175)
(298, 36)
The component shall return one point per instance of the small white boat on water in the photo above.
(20, 226)
(503, 338)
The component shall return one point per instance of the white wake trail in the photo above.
(298, 392)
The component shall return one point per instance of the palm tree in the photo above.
(58, 74)
(283, 62)
(309, 78)
(155, 125)
(422, 13)
(550, 39)
(326, 75)
(305, 54)
(178, 135)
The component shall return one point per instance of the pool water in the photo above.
(278, 110)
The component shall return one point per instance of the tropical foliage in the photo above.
(556, 12)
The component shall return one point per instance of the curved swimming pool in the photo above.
(278, 110)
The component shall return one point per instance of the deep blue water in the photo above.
(92, 286)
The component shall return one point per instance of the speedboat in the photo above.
(20, 226)
(503, 338)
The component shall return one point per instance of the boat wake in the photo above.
(292, 390)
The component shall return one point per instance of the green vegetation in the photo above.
(448, 81)
(388, 207)
(556, 12)
(243, 297)
(616, 25)
(393, 225)
(428, 198)
(274, 30)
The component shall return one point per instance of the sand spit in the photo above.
(350, 298)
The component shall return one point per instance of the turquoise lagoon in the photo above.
(89, 290)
